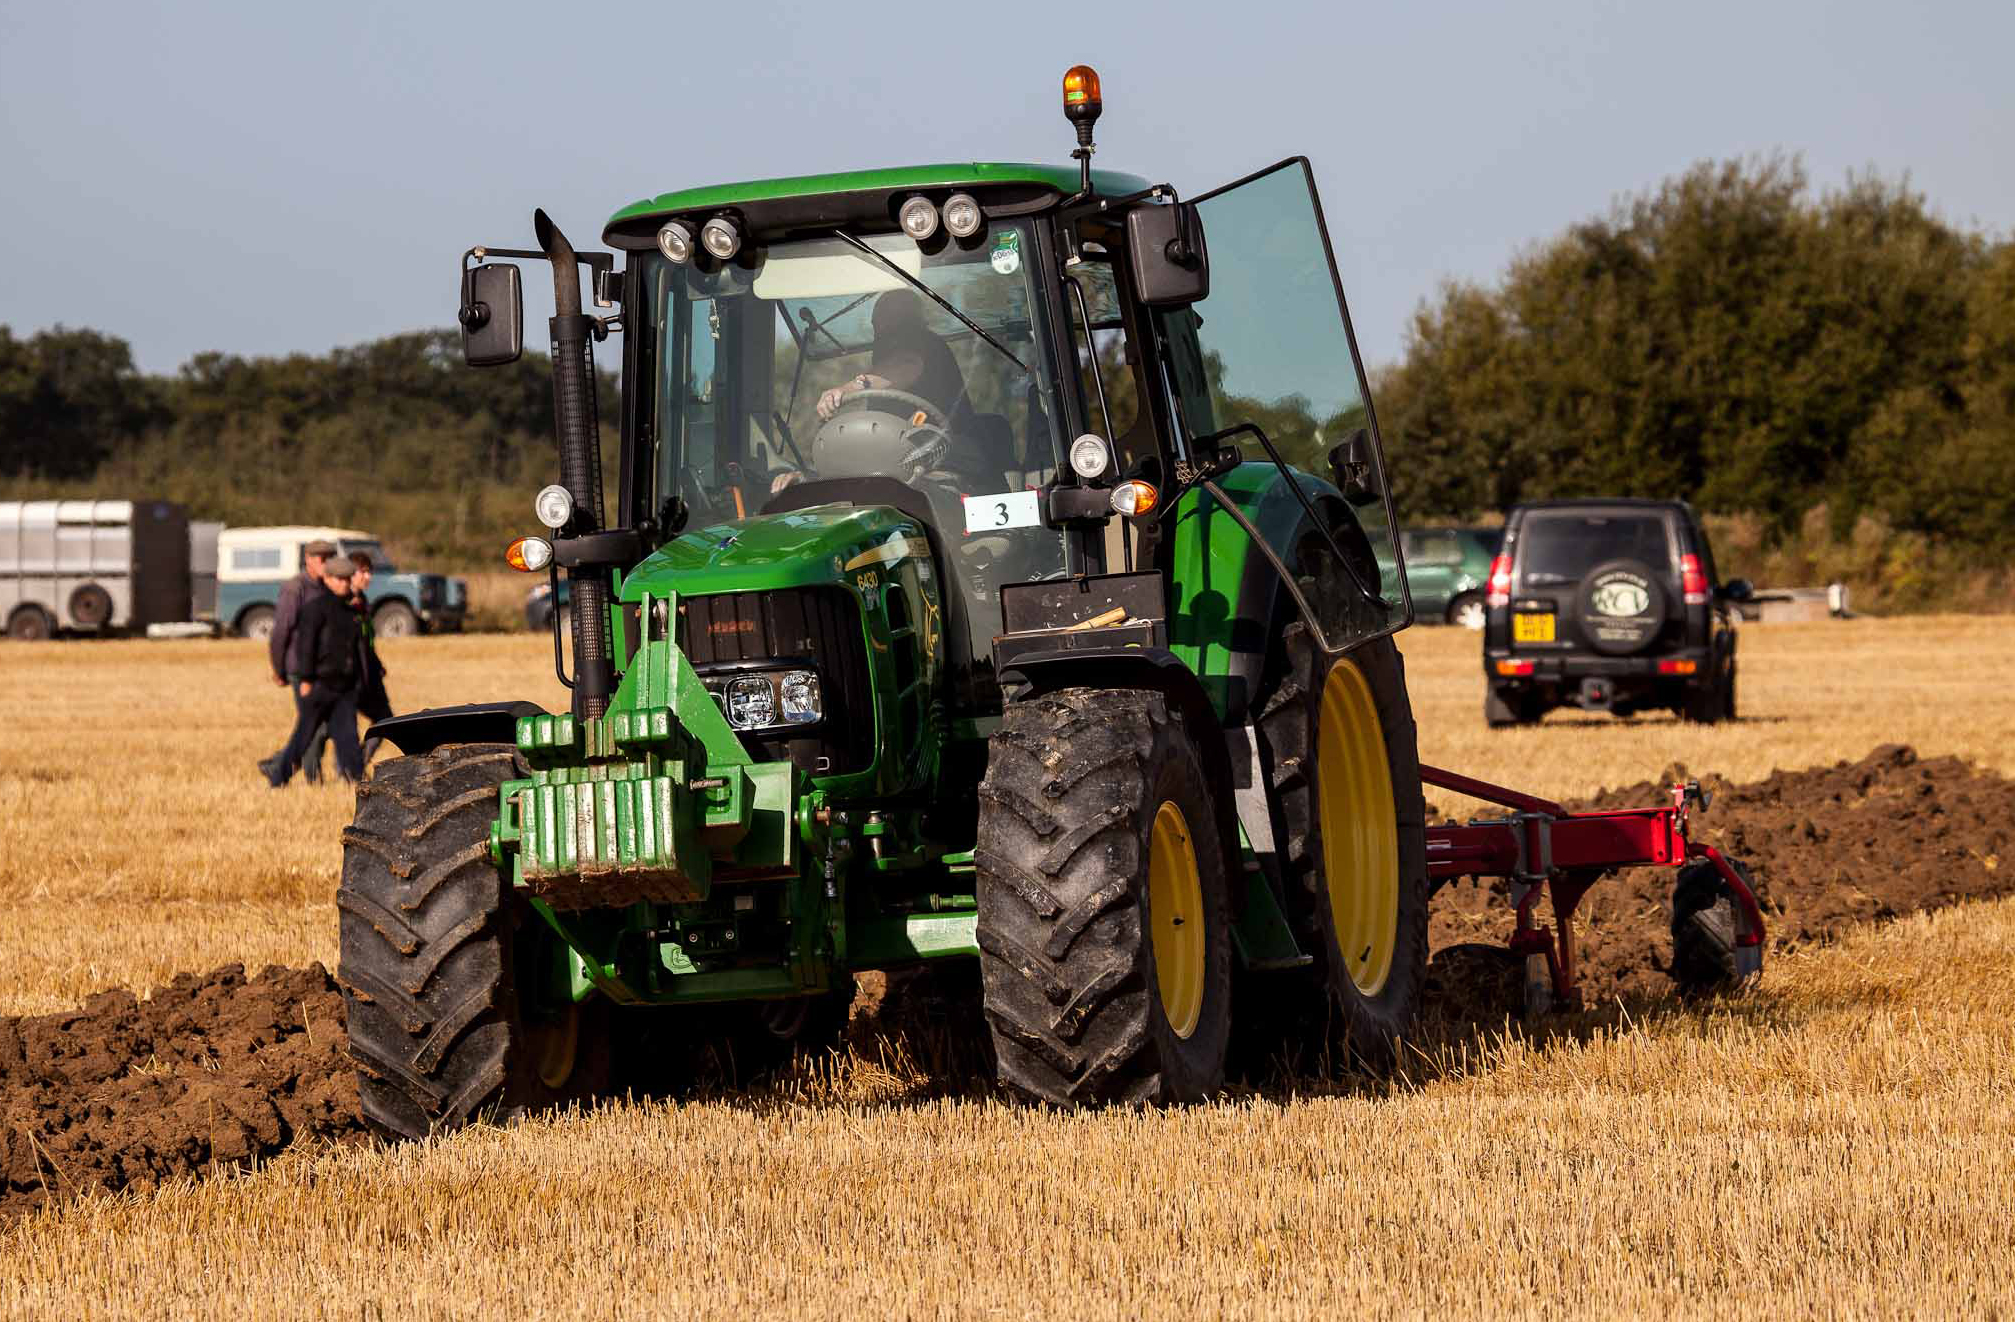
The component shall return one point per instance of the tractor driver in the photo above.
(908, 356)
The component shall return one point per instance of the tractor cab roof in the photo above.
(771, 207)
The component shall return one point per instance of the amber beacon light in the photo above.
(1081, 102)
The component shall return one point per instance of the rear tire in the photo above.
(1705, 702)
(432, 939)
(256, 622)
(1353, 851)
(1500, 713)
(1104, 912)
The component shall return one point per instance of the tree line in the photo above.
(1728, 336)
(397, 435)
(1732, 338)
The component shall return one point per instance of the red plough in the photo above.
(1540, 844)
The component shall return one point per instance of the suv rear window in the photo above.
(1561, 547)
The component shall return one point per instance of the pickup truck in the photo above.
(254, 563)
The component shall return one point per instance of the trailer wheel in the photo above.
(1104, 912)
(30, 624)
(91, 606)
(1337, 741)
(434, 948)
(1705, 957)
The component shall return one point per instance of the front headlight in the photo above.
(802, 702)
(771, 700)
(752, 702)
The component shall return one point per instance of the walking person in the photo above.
(324, 665)
(372, 703)
(286, 616)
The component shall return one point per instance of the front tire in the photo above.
(439, 1025)
(1104, 908)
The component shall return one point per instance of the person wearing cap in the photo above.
(286, 614)
(324, 664)
(372, 703)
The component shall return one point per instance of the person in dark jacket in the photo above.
(325, 667)
(286, 614)
(372, 703)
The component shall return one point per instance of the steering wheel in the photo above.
(880, 396)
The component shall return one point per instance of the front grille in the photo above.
(817, 626)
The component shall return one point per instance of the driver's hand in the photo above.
(829, 402)
(789, 475)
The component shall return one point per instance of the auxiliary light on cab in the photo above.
(529, 555)
(1090, 456)
(720, 237)
(554, 505)
(919, 218)
(675, 241)
(962, 215)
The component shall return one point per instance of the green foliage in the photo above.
(397, 436)
(1730, 339)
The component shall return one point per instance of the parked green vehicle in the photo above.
(878, 662)
(1447, 570)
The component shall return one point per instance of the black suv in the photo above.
(1608, 605)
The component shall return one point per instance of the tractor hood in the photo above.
(802, 548)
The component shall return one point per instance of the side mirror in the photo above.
(1171, 265)
(1738, 589)
(1356, 475)
(492, 315)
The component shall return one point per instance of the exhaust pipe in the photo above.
(579, 434)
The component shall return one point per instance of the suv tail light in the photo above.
(1691, 581)
(1498, 591)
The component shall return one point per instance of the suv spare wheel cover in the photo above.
(1622, 607)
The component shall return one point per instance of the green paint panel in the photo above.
(1209, 618)
(1062, 178)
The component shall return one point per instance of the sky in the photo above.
(273, 178)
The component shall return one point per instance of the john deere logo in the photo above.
(1620, 597)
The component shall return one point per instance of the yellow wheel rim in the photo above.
(1360, 841)
(1175, 914)
(555, 1045)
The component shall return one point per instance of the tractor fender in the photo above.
(473, 723)
(1142, 668)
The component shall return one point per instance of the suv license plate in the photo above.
(1532, 628)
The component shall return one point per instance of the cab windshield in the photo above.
(811, 372)
(818, 363)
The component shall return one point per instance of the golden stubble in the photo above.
(1836, 1142)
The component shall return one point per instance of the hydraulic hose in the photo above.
(578, 431)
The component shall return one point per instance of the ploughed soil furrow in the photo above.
(211, 1071)
(218, 1071)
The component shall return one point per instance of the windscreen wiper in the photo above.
(934, 297)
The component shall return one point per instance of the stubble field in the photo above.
(1838, 1139)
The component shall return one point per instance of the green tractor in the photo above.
(994, 581)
